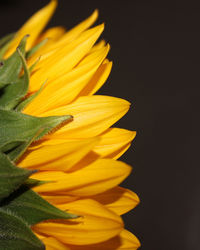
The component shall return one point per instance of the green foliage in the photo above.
(11, 177)
(16, 234)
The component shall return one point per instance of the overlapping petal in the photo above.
(97, 177)
(113, 143)
(92, 116)
(96, 224)
(56, 154)
(68, 86)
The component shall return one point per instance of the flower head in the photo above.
(77, 162)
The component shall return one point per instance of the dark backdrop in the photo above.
(156, 54)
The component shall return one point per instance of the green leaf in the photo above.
(16, 234)
(12, 66)
(36, 48)
(32, 208)
(16, 127)
(11, 177)
(4, 43)
(14, 93)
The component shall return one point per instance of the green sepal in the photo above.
(14, 93)
(30, 182)
(29, 99)
(18, 151)
(16, 127)
(33, 65)
(16, 234)
(4, 43)
(36, 48)
(31, 207)
(12, 66)
(11, 177)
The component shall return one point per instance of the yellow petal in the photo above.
(59, 198)
(52, 243)
(66, 88)
(63, 59)
(92, 116)
(53, 35)
(96, 224)
(113, 141)
(98, 79)
(76, 31)
(98, 45)
(119, 200)
(124, 241)
(67, 37)
(33, 26)
(96, 178)
(60, 156)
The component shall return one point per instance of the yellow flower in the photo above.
(80, 158)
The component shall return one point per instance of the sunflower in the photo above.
(77, 162)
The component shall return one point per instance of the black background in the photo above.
(156, 53)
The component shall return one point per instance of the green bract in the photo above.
(20, 207)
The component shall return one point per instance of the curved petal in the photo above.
(78, 29)
(72, 34)
(52, 243)
(63, 59)
(33, 27)
(92, 116)
(98, 79)
(96, 178)
(60, 156)
(66, 88)
(96, 224)
(124, 241)
(119, 200)
(113, 141)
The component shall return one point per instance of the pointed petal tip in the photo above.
(95, 14)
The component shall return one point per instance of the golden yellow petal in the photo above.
(33, 27)
(99, 176)
(56, 199)
(63, 59)
(119, 200)
(96, 224)
(124, 241)
(76, 31)
(113, 141)
(52, 243)
(98, 45)
(66, 88)
(53, 34)
(60, 156)
(98, 79)
(92, 116)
